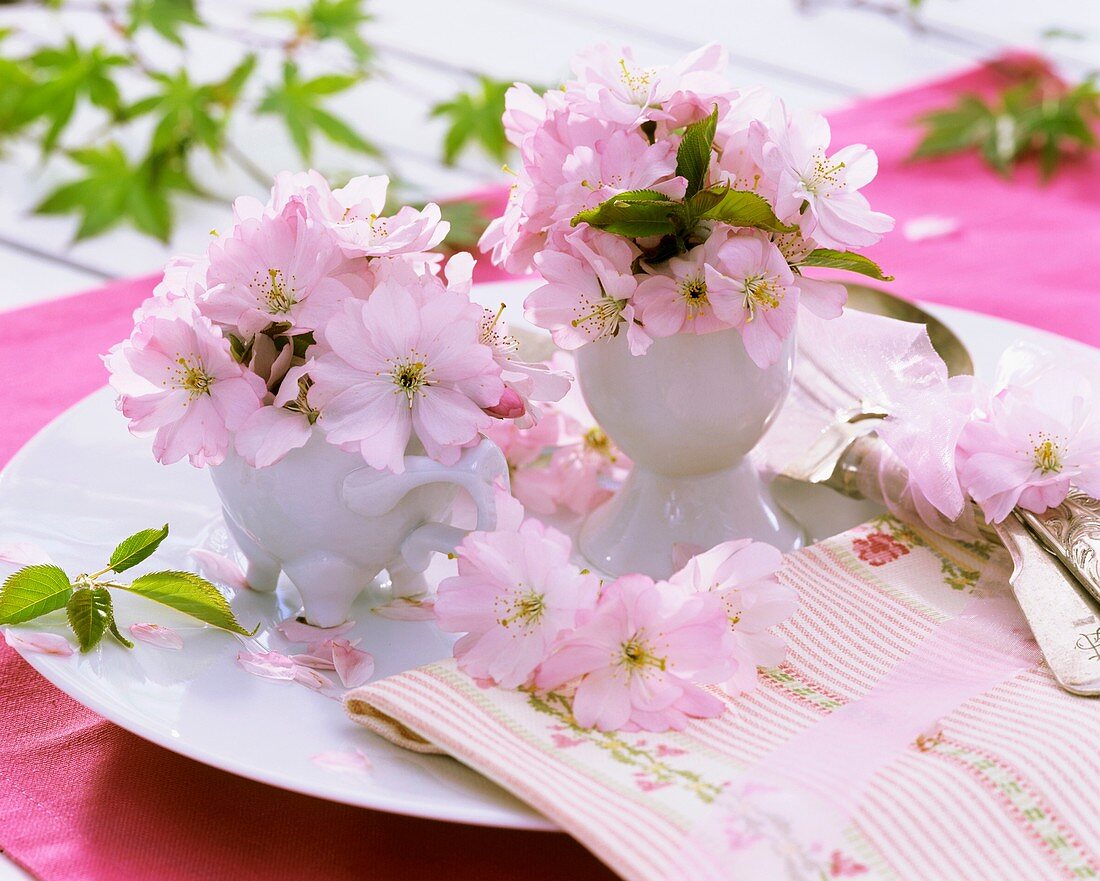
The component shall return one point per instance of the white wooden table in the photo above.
(815, 53)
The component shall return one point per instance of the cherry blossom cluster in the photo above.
(662, 200)
(632, 653)
(566, 464)
(1024, 441)
(317, 312)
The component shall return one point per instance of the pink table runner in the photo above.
(82, 799)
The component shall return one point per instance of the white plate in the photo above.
(83, 483)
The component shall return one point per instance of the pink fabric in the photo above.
(1024, 250)
(82, 799)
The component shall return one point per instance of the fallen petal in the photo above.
(929, 226)
(312, 678)
(158, 635)
(219, 568)
(268, 665)
(345, 762)
(353, 666)
(34, 641)
(315, 662)
(414, 608)
(297, 630)
(23, 553)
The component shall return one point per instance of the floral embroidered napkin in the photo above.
(912, 733)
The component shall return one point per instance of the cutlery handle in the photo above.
(1064, 619)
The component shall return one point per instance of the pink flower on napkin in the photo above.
(641, 657)
(742, 575)
(878, 548)
(404, 361)
(515, 593)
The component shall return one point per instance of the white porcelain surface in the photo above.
(332, 523)
(687, 413)
(82, 483)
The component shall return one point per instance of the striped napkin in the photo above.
(913, 733)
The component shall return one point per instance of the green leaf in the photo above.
(114, 191)
(189, 593)
(137, 547)
(298, 103)
(738, 208)
(1035, 117)
(831, 259)
(163, 16)
(474, 119)
(33, 591)
(693, 155)
(70, 73)
(112, 626)
(338, 20)
(189, 112)
(90, 614)
(627, 215)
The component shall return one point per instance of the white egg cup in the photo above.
(687, 413)
(332, 523)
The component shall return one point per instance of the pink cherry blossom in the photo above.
(524, 382)
(192, 393)
(356, 218)
(515, 593)
(765, 305)
(586, 297)
(1032, 445)
(37, 642)
(274, 270)
(566, 461)
(837, 215)
(742, 574)
(640, 657)
(677, 298)
(286, 424)
(622, 161)
(402, 364)
(354, 213)
(158, 635)
(611, 85)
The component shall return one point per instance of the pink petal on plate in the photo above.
(268, 665)
(219, 568)
(42, 643)
(412, 608)
(23, 553)
(345, 762)
(314, 661)
(296, 630)
(353, 666)
(312, 678)
(158, 635)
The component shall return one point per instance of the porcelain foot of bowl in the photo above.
(654, 521)
(687, 413)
